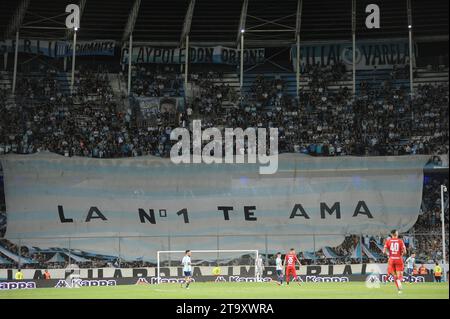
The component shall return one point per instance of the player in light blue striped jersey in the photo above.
(279, 268)
(410, 262)
(187, 268)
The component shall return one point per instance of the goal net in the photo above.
(208, 265)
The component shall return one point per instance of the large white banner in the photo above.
(309, 203)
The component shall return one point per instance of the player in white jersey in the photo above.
(259, 268)
(279, 268)
(187, 268)
(410, 262)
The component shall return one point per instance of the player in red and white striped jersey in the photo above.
(290, 261)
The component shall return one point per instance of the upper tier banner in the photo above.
(381, 54)
(207, 55)
(57, 49)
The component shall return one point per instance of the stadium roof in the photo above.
(266, 22)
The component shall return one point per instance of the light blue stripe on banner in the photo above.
(172, 193)
(101, 230)
(138, 168)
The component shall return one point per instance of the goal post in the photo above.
(159, 252)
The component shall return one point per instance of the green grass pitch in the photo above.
(227, 290)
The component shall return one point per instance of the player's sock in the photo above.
(399, 280)
(187, 284)
(395, 281)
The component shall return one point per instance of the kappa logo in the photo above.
(249, 279)
(17, 285)
(326, 279)
(373, 281)
(416, 279)
(142, 281)
(220, 279)
(85, 283)
(154, 280)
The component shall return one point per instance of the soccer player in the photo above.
(259, 268)
(187, 268)
(289, 261)
(410, 263)
(395, 248)
(279, 267)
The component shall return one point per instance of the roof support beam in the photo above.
(298, 25)
(298, 21)
(129, 27)
(272, 22)
(242, 21)
(187, 22)
(17, 19)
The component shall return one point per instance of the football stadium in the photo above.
(212, 149)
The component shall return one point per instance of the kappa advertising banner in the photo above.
(217, 54)
(198, 271)
(94, 201)
(381, 54)
(81, 282)
(58, 49)
(331, 270)
(201, 271)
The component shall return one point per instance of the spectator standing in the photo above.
(423, 270)
(19, 274)
(437, 272)
(47, 274)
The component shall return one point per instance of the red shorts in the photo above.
(291, 271)
(395, 266)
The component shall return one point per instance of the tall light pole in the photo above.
(130, 56)
(297, 77)
(354, 45)
(73, 22)
(186, 63)
(411, 52)
(72, 77)
(16, 51)
(444, 262)
(241, 78)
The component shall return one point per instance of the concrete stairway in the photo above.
(428, 76)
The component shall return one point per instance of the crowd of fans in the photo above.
(210, 91)
(156, 82)
(322, 122)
